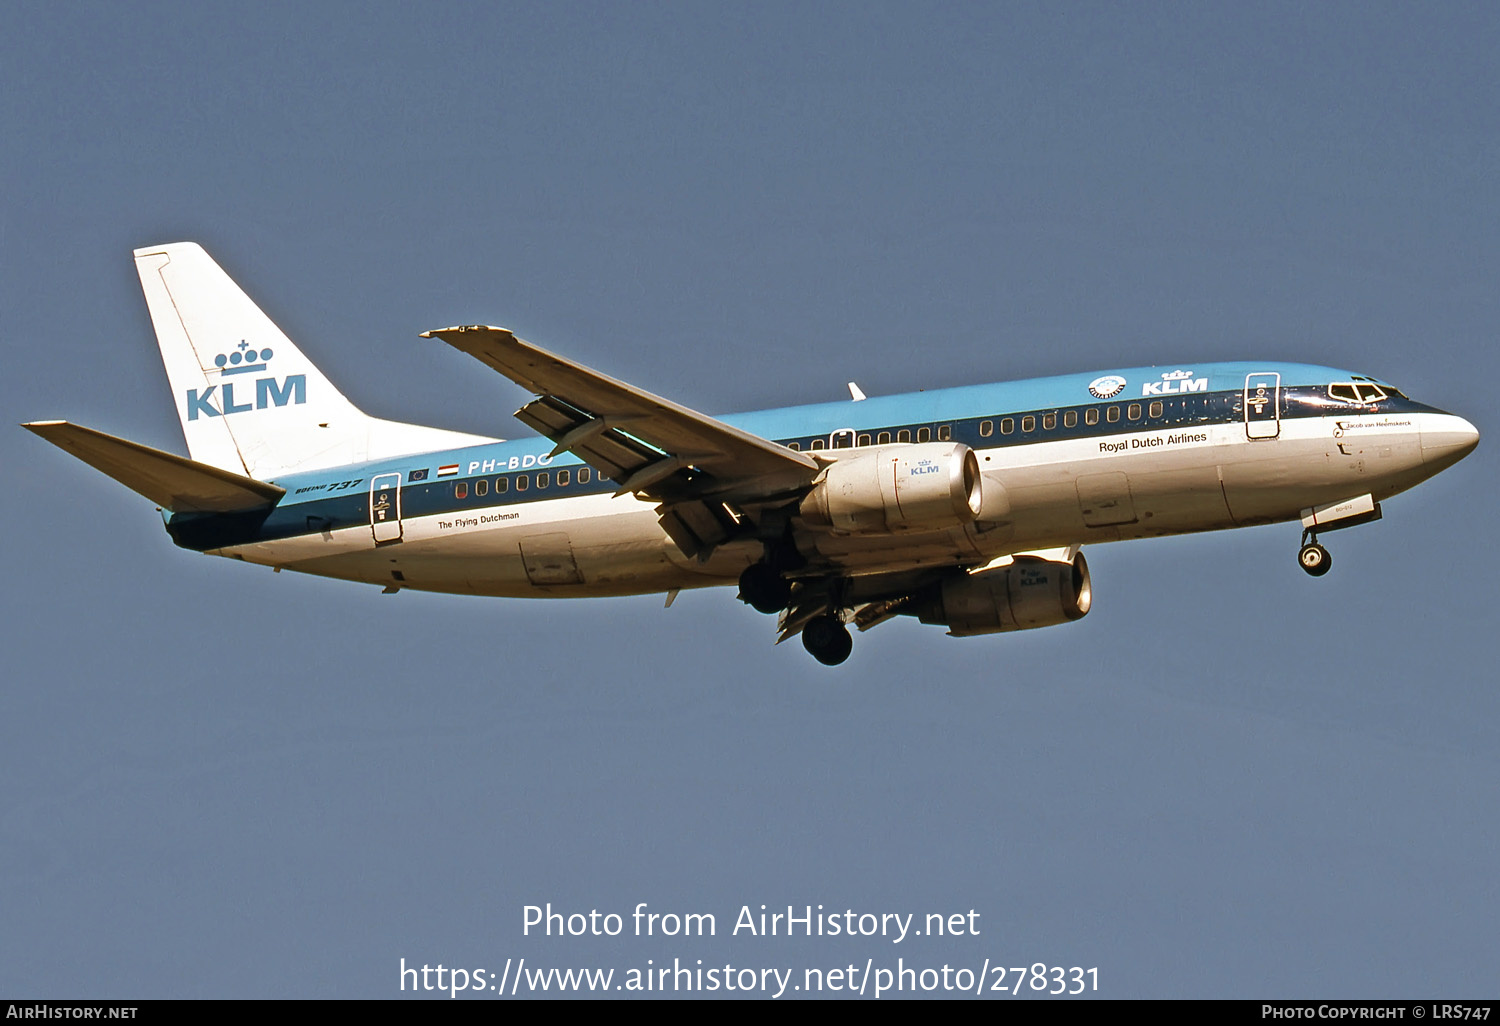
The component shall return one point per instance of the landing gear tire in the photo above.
(764, 589)
(827, 640)
(1314, 560)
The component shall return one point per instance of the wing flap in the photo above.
(172, 482)
(598, 441)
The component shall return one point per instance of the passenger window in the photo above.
(1007, 425)
(945, 432)
(501, 484)
(864, 439)
(1070, 419)
(794, 446)
(1049, 421)
(817, 443)
(904, 435)
(884, 438)
(1112, 415)
(1156, 409)
(563, 477)
(522, 482)
(542, 478)
(1028, 423)
(986, 428)
(1091, 416)
(924, 434)
(461, 490)
(584, 473)
(481, 486)
(1133, 411)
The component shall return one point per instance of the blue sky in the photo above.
(1229, 780)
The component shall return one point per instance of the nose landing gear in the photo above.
(1332, 516)
(1312, 557)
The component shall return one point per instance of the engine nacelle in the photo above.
(1029, 592)
(926, 487)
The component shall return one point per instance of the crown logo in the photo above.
(244, 360)
(1177, 375)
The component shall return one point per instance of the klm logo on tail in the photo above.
(268, 390)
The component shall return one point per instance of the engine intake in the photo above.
(925, 487)
(1029, 592)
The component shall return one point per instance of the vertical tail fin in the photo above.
(249, 400)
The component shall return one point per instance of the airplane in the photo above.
(963, 507)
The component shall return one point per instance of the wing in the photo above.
(870, 599)
(701, 470)
(865, 601)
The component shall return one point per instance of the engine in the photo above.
(1029, 592)
(926, 487)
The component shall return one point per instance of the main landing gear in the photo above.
(827, 640)
(763, 587)
(825, 637)
(1312, 557)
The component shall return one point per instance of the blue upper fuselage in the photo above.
(1128, 385)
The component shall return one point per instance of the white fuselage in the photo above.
(1148, 482)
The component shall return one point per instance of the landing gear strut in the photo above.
(827, 640)
(1312, 557)
(763, 587)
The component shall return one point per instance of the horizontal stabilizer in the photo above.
(172, 482)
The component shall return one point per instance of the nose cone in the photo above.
(1446, 440)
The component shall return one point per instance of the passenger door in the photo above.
(1263, 405)
(385, 508)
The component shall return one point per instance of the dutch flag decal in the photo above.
(448, 470)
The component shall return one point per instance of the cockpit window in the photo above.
(1356, 392)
